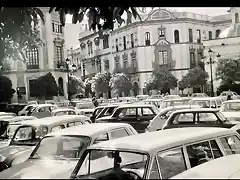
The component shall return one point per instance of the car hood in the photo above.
(231, 114)
(40, 169)
(10, 151)
(104, 118)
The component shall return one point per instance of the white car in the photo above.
(155, 155)
(42, 110)
(233, 95)
(227, 167)
(25, 110)
(231, 110)
(86, 108)
(63, 111)
(32, 103)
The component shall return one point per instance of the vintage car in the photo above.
(142, 97)
(200, 117)
(207, 102)
(233, 95)
(155, 155)
(29, 133)
(138, 115)
(25, 110)
(63, 111)
(174, 102)
(61, 150)
(7, 114)
(84, 108)
(159, 120)
(171, 97)
(231, 109)
(226, 167)
(50, 102)
(155, 102)
(199, 95)
(156, 96)
(32, 103)
(42, 110)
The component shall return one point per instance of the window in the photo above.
(147, 39)
(90, 48)
(128, 112)
(218, 33)
(210, 35)
(56, 128)
(61, 29)
(176, 36)
(132, 41)
(59, 53)
(119, 133)
(161, 32)
(125, 63)
(231, 144)
(116, 45)
(57, 30)
(53, 27)
(190, 33)
(117, 63)
(207, 117)
(192, 60)
(198, 36)
(203, 152)
(145, 112)
(100, 138)
(163, 56)
(124, 43)
(106, 64)
(171, 163)
(93, 62)
(184, 118)
(236, 18)
(154, 172)
(33, 59)
(105, 42)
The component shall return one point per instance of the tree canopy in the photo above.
(76, 85)
(6, 90)
(100, 82)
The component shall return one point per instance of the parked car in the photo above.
(7, 114)
(85, 108)
(207, 102)
(107, 111)
(153, 155)
(138, 115)
(231, 109)
(155, 96)
(158, 121)
(174, 102)
(63, 111)
(50, 102)
(226, 167)
(32, 103)
(199, 95)
(29, 133)
(25, 110)
(62, 149)
(42, 110)
(203, 117)
(142, 97)
(171, 97)
(155, 102)
(225, 94)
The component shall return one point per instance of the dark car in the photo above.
(202, 117)
(138, 115)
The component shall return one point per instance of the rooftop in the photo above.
(161, 140)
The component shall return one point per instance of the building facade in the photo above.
(226, 46)
(163, 37)
(40, 61)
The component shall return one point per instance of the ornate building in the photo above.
(163, 37)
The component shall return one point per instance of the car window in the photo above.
(71, 124)
(118, 133)
(202, 152)
(213, 104)
(171, 163)
(78, 123)
(183, 117)
(101, 137)
(146, 112)
(231, 144)
(56, 128)
(207, 117)
(154, 172)
(128, 112)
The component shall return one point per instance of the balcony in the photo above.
(32, 66)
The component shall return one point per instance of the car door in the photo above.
(208, 119)
(129, 115)
(145, 115)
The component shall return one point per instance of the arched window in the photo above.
(176, 36)
(236, 18)
(147, 39)
(218, 33)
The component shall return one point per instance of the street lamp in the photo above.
(210, 62)
(67, 63)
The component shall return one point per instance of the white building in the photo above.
(227, 45)
(47, 58)
(163, 37)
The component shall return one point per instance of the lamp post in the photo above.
(67, 63)
(74, 68)
(210, 62)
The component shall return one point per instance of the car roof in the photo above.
(62, 109)
(89, 129)
(136, 105)
(230, 101)
(20, 118)
(54, 119)
(197, 110)
(178, 99)
(44, 105)
(106, 106)
(202, 98)
(164, 139)
(223, 167)
(186, 106)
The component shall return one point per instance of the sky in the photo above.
(211, 11)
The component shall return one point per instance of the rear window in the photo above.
(56, 128)
(231, 144)
(183, 118)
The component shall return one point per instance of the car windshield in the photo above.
(166, 104)
(230, 107)
(84, 106)
(61, 147)
(106, 163)
(201, 103)
(11, 129)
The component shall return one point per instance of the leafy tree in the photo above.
(163, 79)
(196, 77)
(100, 82)
(228, 70)
(183, 84)
(150, 84)
(120, 83)
(6, 90)
(88, 89)
(76, 85)
(45, 87)
(18, 31)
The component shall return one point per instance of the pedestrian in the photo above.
(229, 97)
(95, 102)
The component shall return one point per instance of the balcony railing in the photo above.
(32, 66)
